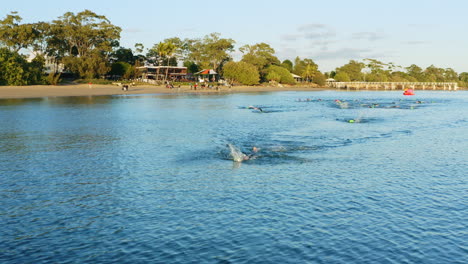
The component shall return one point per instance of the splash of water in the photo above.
(236, 154)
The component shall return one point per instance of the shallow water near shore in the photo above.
(150, 178)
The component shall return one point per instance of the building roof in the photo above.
(207, 71)
(161, 67)
(295, 75)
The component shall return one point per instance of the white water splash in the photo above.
(236, 154)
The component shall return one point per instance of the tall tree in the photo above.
(450, 75)
(87, 40)
(241, 72)
(16, 70)
(211, 51)
(162, 52)
(463, 77)
(434, 74)
(353, 70)
(260, 55)
(279, 74)
(379, 71)
(306, 68)
(319, 78)
(342, 76)
(416, 72)
(14, 35)
(288, 65)
(123, 55)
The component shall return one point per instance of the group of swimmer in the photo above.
(307, 100)
(239, 156)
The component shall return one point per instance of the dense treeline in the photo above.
(376, 71)
(86, 45)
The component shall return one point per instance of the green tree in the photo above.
(163, 51)
(434, 74)
(342, 76)
(463, 77)
(192, 67)
(164, 54)
(319, 78)
(450, 75)
(306, 68)
(379, 71)
(139, 57)
(377, 77)
(123, 55)
(16, 70)
(14, 35)
(182, 47)
(241, 72)
(353, 70)
(288, 65)
(260, 55)
(122, 69)
(210, 52)
(91, 66)
(86, 39)
(399, 76)
(279, 74)
(416, 72)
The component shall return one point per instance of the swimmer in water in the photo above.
(255, 108)
(239, 156)
(251, 155)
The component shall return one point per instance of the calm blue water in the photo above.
(150, 179)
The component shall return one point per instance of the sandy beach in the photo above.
(35, 91)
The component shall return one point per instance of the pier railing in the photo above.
(395, 85)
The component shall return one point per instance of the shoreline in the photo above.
(39, 91)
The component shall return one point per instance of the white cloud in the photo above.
(370, 36)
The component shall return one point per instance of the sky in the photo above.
(404, 32)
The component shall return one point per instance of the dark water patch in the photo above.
(20, 101)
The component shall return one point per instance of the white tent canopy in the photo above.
(206, 71)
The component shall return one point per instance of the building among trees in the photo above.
(151, 74)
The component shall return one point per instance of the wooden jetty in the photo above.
(395, 85)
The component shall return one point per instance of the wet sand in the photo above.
(35, 91)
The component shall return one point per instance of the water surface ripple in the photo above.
(149, 178)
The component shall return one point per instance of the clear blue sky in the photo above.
(404, 32)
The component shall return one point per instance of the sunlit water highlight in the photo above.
(153, 179)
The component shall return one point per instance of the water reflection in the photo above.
(74, 100)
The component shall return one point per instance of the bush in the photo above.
(319, 78)
(122, 69)
(53, 78)
(342, 77)
(94, 81)
(15, 70)
(241, 72)
(279, 74)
